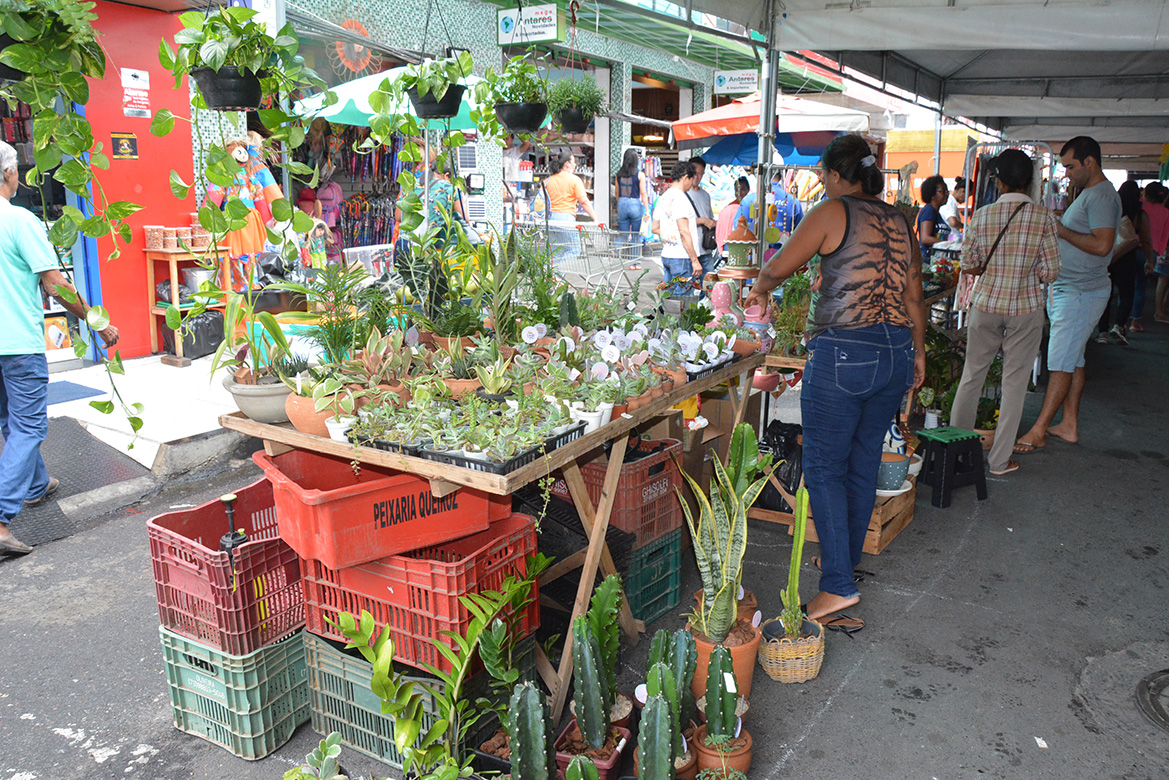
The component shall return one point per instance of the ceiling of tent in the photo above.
(1031, 69)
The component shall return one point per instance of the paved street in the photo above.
(992, 626)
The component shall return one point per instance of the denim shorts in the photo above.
(1073, 315)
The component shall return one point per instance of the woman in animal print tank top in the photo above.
(866, 334)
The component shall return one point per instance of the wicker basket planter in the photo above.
(791, 660)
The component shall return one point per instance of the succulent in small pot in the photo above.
(574, 103)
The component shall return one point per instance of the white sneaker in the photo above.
(1118, 334)
(1102, 338)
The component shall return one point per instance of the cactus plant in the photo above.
(678, 651)
(655, 753)
(660, 682)
(603, 619)
(792, 616)
(581, 768)
(530, 735)
(593, 697)
(722, 694)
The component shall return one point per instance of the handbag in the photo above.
(706, 239)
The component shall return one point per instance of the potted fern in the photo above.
(574, 103)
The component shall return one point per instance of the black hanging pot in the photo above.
(7, 71)
(229, 88)
(521, 118)
(573, 120)
(426, 107)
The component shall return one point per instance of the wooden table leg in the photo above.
(588, 572)
(584, 507)
(150, 305)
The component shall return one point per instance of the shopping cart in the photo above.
(593, 257)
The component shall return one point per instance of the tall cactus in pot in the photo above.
(655, 744)
(530, 735)
(722, 695)
(677, 650)
(659, 682)
(593, 696)
(603, 614)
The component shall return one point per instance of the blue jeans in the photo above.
(677, 266)
(630, 212)
(24, 421)
(564, 237)
(853, 384)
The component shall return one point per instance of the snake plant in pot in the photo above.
(720, 541)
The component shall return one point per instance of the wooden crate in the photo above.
(890, 517)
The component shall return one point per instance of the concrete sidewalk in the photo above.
(991, 625)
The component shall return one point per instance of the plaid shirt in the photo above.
(1027, 255)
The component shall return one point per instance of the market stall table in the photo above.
(446, 479)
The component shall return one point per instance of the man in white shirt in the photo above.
(700, 198)
(675, 220)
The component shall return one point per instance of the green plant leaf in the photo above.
(301, 222)
(174, 319)
(97, 318)
(73, 175)
(95, 227)
(163, 123)
(166, 55)
(100, 161)
(120, 209)
(282, 210)
(178, 187)
(214, 53)
(105, 407)
(63, 233)
(235, 208)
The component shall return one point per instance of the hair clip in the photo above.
(870, 160)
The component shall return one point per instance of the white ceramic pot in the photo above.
(931, 418)
(592, 420)
(338, 428)
(262, 403)
(474, 455)
(606, 410)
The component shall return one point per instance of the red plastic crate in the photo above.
(330, 514)
(417, 594)
(235, 605)
(647, 499)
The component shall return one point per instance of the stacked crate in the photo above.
(646, 505)
(231, 624)
(378, 541)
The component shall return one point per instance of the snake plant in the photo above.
(720, 533)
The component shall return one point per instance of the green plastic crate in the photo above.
(250, 704)
(653, 583)
(341, 700)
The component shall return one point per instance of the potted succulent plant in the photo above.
(517, 97)
(574, 103)
(722, 744)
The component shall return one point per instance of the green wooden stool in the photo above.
(952, 458)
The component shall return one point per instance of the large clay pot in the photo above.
(742, 658)
(263, 403)
(443, 342)
(709, 758)
(304, 417)
(744, 347)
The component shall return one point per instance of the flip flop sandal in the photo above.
(1027, 447)
(857, 574)
(844, 623)
(1012, 465)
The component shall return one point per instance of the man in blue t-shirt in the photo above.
(27, 262)
(788, 211)
(1080, 293)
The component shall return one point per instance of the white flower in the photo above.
(611, 353)
(599, 370)
(541, 330)
(602, 338)
(530, 334)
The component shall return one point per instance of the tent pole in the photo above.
(938, 143)
(767, 88)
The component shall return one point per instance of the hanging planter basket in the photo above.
(573, 120)
(229, 88)
(6, 71)
(521, 118)
(426, 107)
(791, 660)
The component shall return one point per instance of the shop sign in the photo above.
(530, 24)
(136, 93)
(735, 82)
(123, 146)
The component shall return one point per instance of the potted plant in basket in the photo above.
(574, 103)
(515, 98)
(720, 541)
(234, 60)
(792, 649)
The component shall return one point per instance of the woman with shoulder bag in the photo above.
(1012, 246)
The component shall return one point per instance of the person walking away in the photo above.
(1079, 294)
(700, 200)
(566, 191)
(632, 195)
(27, 262)
(952, 211)
(1128, 255)
(1144, 272)
(1013, 248)
(931, 227)
(866, 336)
(1159, 233)
(676, 222)
(727, 218)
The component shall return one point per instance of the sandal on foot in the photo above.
(1024, 447)
(843, 622)
(1012, 465)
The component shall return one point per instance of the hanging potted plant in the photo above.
(518, 96)
(433, 86)
(234, 60)
(792, 649)
(574, 103)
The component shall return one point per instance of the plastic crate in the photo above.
(646, 504)
(341, 699)
(416, 595)
(249, 704)
(237, 603)
(329, 513)
(653, 584)
(510, 465)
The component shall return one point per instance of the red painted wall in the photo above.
(130, 37)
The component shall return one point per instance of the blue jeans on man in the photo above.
(853, 385)
(24, 421)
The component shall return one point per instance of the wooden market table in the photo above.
(446, 479)
(173, 257)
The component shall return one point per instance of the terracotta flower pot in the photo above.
(396, 388)
(462, 387)
(744, 347)
(619, 409)
(709, 758)
(443, 342)
(742, 658)
(987, 436)
(667, 386)
(605, 769)
(634, 403)
(304, 417)
(678, 375)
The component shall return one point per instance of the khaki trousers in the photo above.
(1018, 337)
